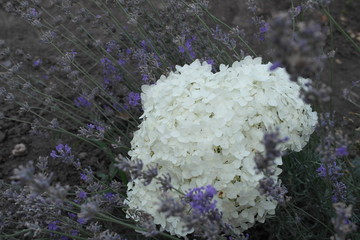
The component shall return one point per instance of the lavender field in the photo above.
(180, 119)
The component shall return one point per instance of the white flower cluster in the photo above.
(205, 128)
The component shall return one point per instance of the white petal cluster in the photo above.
(204, 128)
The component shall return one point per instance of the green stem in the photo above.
(311, 216)
(15, 234)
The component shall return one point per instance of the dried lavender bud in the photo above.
(94, 186)
(58, 193)
(316, 3)
(54, 123)
(294, 11)
(266, 163)
(132, 167)
(107, 235)
(339, 192)
(331, 171)
(300, 52)
(3, 92)
(165, 182)
(94, 227)
(116, 186)
(24, 174)
(88, 210)
(42, 163)
(40, 183)
(333, 146)
(171, 207)
(268, 187)
(81, 194)
(208, 225)
(342, 223)
(48, 36)
(145, 221)
(87, 175)
(148, 175)
(83, 101)
(225, 38)
(9, 97)
(117, 144)
(93, 131)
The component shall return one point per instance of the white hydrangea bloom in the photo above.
(204, 128)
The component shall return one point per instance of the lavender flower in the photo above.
(63, 152)
(339, 192)
(149, 174)
(87, 175)
(107, 235)
(341, 151)
(132, 167)
(48, 36)
(88, 211)
(187, 47)
(331, 170)
(299, 52)
(203, 218)
(225, 38)
(271, 141)
(200, 199)
(24, 174)
(165, 182)
(267, 186)
(110, 72)
(37, 62)
(275, 65)
(82, 102)
(332, 147)
(171, 207)
(134, 99)
(146, 222)
(342, 223)
(93, 131)
(82, 221)
(135, 168)
(82, 195)
(295, 11)
(53, 225)
(42, 163)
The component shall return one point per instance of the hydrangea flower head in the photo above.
(204, 128)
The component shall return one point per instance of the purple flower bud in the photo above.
(200, 199)
(63, 152)
(82, 195)
(134, 99)
(145, 77)
(37, 62)
(264, 28)
(341, 151)
(275, 65)
(71, 215)
(53, 225)
(82, 102)
(82, 220)
(74, 232)
(181, 49)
